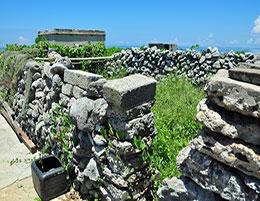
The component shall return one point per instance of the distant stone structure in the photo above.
(168, 46)
(73, 36)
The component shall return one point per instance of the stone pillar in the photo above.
(126, 175)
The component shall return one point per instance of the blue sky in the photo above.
(222, 23)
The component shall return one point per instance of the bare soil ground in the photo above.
(23, 190)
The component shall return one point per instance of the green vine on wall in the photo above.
(61, 135)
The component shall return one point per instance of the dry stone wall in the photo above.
(193, 64)
(223, 160)
(114, 125)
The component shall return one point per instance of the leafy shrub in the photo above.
(175, 110)
(87, 50)
(194, 47)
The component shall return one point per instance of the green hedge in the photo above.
(87, 50)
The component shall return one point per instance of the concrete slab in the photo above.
(130, 91)
(250, 75)
(15, 158)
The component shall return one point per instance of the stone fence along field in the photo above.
(193, 64)
(103, 129)
(113, 126)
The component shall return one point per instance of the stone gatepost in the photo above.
(131, 122)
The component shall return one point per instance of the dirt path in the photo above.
(23, 190)
(19, 191)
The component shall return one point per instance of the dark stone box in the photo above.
(49, 177)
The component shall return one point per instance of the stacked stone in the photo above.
(224, 159)
(108, 163)
(113, 125)
(88, 112)
(79, 84)
(125, 172)
(38, 89)
(193, 64)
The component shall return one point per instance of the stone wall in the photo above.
(195, 65)
(223, 161)
(114, 125)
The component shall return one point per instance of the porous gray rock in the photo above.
(127, 115)
(99, 140)
(36, 76)
(142, 126)
(95, 89)
(67, 89)
(125, 148)
(65, 61)
(79, 78)
(39, 94)
(202, 59)
(116, 179)
(126, 167)
(230, 124)
(58, 68)
(233, 153)
(214, 176)
(64, 100)
(38, 84)
(80, 111)
(57, 81)
(129, 91)
(33, 66)
(91, 171)
(110, 192)
(234, 95)
(183, 189)
(46, 70)
(77, 92)
(99, 113)
(244, 74)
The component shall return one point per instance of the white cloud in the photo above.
(256, 28)
(234, 42)
(253, 41)
(23, 40)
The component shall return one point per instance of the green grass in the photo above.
(175, 111)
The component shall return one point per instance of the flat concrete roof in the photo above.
(71, 32)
